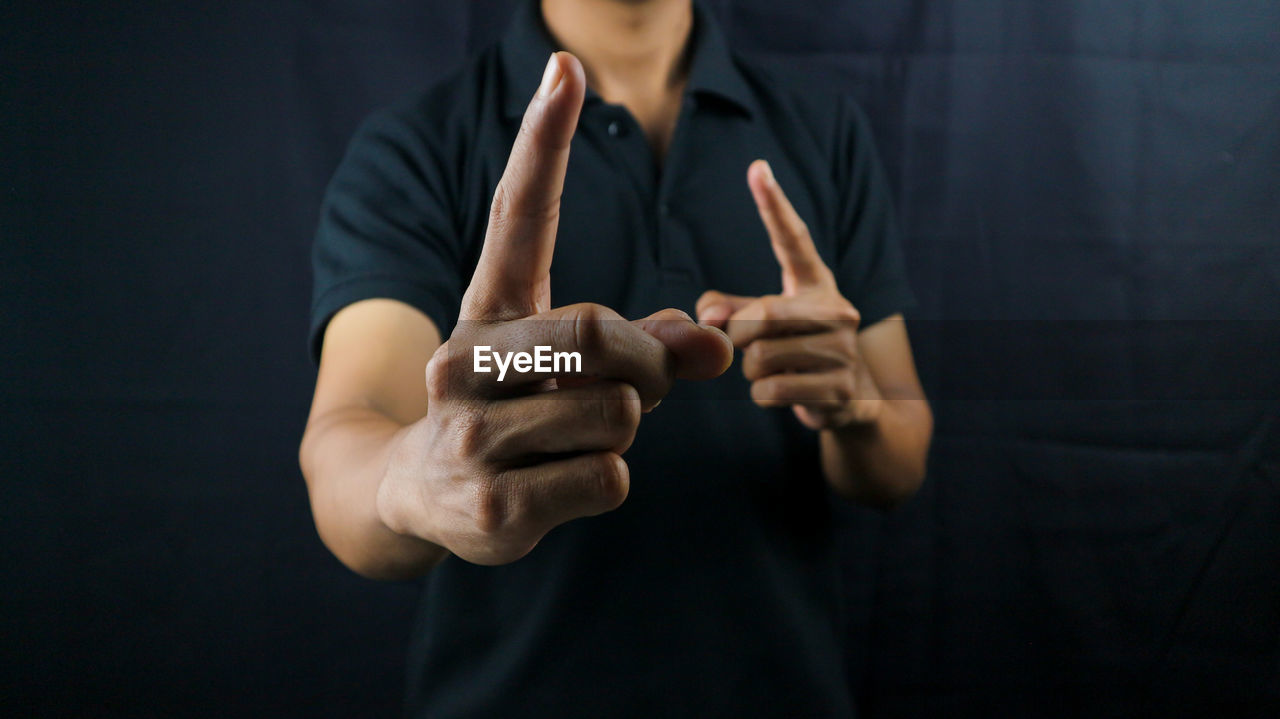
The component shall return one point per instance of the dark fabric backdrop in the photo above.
(1091, 193)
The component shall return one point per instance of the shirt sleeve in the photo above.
(387, 228)
(869, 270)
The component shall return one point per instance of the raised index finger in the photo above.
(512, 277)
(801, 264)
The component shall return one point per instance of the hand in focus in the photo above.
(800, 348)
(495, 465)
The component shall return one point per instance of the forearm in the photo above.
(881, 463)
(344, 456)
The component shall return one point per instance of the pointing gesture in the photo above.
(512, 279)
(802, 267)
(800, 348)
(496, 465)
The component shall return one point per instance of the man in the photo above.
(585, 551)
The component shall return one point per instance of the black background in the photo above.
(1091, 193)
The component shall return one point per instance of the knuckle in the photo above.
(670, 314)
(848, 313)
(500, 206)
(600, 313)
(846, 388)
(588, 312)
(489, 507)
(589, 331)
(620, 408)
(707, 298)
(612, 478)
(437, 373)
(841, 311)
(769, 307)
(467, 439)
(762, 392)
(472, 434)
(545, 212)
(509, 205)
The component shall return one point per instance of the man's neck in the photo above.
(633, 51)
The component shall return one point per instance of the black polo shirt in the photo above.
(714, 589)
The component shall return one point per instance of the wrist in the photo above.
(864, 412)
(398, 499)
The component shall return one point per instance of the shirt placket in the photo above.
(669, 237)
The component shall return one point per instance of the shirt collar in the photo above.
(527, 45)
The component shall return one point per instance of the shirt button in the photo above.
(664, 210)
(617, 129)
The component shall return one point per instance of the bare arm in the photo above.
(369, 389)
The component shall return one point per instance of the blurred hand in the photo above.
(494, 466)
(800, 348)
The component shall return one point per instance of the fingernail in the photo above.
(550, 77)
(685, 315)
(713, 313)
(768, 174)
